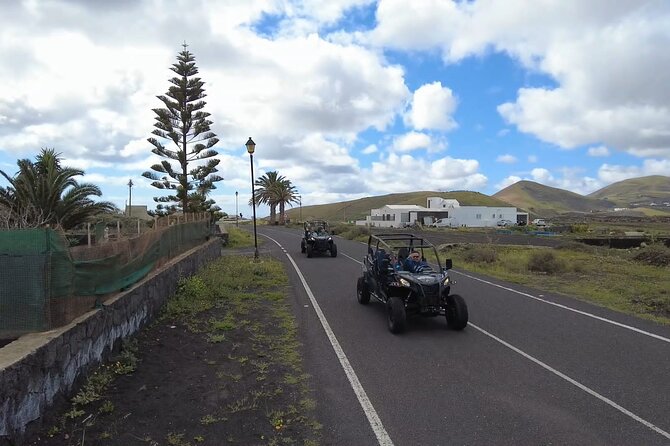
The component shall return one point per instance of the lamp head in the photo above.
(251, 146)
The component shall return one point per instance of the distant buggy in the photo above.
(424, 292)
(317, 239)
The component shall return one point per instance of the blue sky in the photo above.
(347, 98)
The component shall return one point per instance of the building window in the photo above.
(478, 216)
(493, 216)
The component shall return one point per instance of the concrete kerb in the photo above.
(39, 368)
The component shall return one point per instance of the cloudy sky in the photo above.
(347, 98)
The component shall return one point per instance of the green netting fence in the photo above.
(45, 283)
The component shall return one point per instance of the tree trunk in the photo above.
(282, 221)
(273, 213)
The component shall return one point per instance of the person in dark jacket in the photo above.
(414, 264)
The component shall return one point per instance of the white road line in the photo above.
(575, 383)
(583, 313)
(349, 257)
(373, 418)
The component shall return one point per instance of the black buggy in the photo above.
(426, 292)
(317, 239)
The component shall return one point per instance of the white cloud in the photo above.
(506, 159)
(432, 108)
(411, 141)
(402, 173)
(600, 151)
(372, 148)
(609, 61)
(532, 159)
(507, 182)
(609, 173)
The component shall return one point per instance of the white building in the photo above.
(402, 215)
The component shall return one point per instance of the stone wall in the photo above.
(40, 367)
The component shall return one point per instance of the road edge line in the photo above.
(373, 417)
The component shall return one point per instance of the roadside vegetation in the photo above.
(230, 334)
(635, 281)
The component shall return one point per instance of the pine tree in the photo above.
(184, 122)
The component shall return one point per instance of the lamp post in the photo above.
(300, 201)
(237, 213)
(251, 146)
(130, 197)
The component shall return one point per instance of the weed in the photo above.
(208, 419)
(480, 254)
(175, 439)
(545, 261)
(233, 377)
(74, 413)
(238, 238)
(106, 407)
(215, 338)
(656, 255)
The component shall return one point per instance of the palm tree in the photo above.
(264, 193)
(45, 192)
(284, 193)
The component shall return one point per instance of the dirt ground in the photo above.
(230, 375)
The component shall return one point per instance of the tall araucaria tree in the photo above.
(184, 123)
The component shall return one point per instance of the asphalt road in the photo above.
(530, 369)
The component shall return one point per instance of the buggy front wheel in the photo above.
(456, 312)
(397, 317)
(362, 292)
(310, 250)
(302, 247)
(333, 250)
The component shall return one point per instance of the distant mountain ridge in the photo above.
(641, 193)
(647, 195)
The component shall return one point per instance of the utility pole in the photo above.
(130, 196)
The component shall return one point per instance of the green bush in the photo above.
(480, 254)
(579, 228)
(352, 232)
(545, 261)
(656, 255)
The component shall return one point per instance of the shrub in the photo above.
(480, 254)
(657, 255)
(545, 262)
(353, 232)
(579, 228)
(576, 246)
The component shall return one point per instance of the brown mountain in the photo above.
(637, 192)
(545, 201)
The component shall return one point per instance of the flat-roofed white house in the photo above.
(403, 215)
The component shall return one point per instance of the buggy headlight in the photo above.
(330, 239)
(447, 281)
(404, 282)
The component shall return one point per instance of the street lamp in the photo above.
(251, 146)
(130, 197)
(300, 201)
(237, 212)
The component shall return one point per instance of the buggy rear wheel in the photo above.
(397, 317)
(456, 312)
(333, 250)
(362, 292)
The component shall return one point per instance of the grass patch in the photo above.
(617, 279)
(238, 238)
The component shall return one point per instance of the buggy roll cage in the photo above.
(409, 242)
